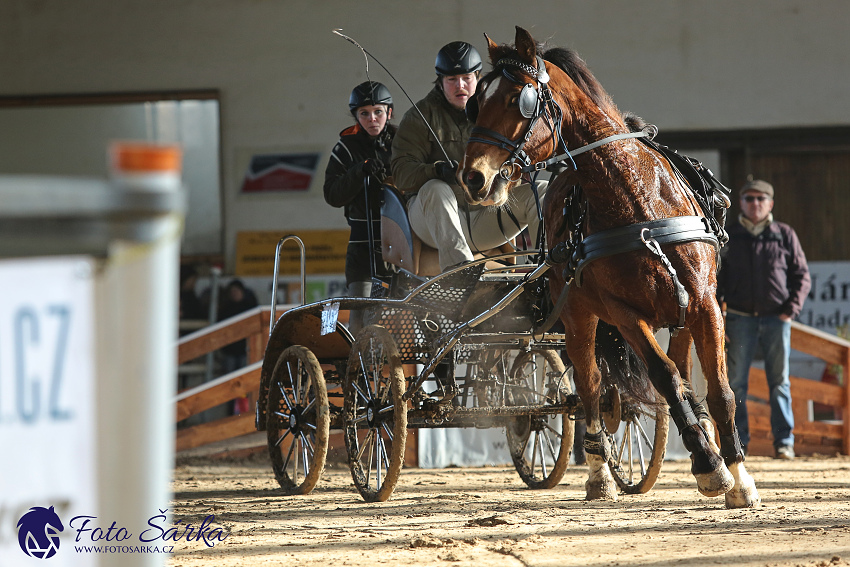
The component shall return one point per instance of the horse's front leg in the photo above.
(712, 476)
(708, 336)
(600, 483)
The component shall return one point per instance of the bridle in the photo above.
(534, 103)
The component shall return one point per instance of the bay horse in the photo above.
(661, 271)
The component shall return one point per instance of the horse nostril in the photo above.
(475, 180)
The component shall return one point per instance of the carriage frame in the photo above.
(480, 334)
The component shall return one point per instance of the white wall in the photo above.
(284, 77)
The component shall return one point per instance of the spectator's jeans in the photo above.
(774, 336)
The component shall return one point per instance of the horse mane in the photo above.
(574, 66)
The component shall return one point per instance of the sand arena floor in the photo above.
(487, 516)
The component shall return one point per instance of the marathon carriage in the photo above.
(477, 336)
(635, 229)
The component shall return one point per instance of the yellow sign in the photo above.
(325, 252)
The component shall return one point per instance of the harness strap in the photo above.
(628, 239)
(504, 143)
(682, 297)
(650, 234)
(578, 151)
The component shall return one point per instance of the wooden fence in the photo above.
(252, 325)
(811, 436)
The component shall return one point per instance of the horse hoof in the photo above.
(601, 491)
(715, 483)
(744, 494)
(743, 498)
(600, 484)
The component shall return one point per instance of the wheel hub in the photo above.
(373, 413)
(295, 419)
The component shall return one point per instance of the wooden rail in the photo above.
(811, 436)
(252, 325)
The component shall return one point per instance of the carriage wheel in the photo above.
(540, 446)
(298, 420)
(375, 415)
(637, 458)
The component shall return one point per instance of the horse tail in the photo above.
(622, 367)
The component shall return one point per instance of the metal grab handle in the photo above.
(277, 267)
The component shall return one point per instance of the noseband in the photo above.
(534, 103)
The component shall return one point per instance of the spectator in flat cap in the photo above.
(764, 280)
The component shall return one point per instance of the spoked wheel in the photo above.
(375, 415)
(637, 457)
(540, 446)
(298, 420)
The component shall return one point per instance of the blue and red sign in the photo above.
(280, 172)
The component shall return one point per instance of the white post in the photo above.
(137, 320)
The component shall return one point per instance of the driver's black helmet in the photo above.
(457, 58)
(368, 93)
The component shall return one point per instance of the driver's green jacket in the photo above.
(415, 149)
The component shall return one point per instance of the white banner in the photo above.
(47, 434)
(828, 305)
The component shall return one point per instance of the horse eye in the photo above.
(514, 100)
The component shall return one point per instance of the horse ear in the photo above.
(491, 48)
(525, 45)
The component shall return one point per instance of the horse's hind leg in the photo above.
(680, 353)
(708, 336)
(712, 476)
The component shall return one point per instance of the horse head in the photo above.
(510, 111)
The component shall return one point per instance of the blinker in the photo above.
(528, 101)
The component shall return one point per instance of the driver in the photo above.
(438, 211)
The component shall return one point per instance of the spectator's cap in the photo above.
(757, 186)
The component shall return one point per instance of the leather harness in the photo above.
(651, 234)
